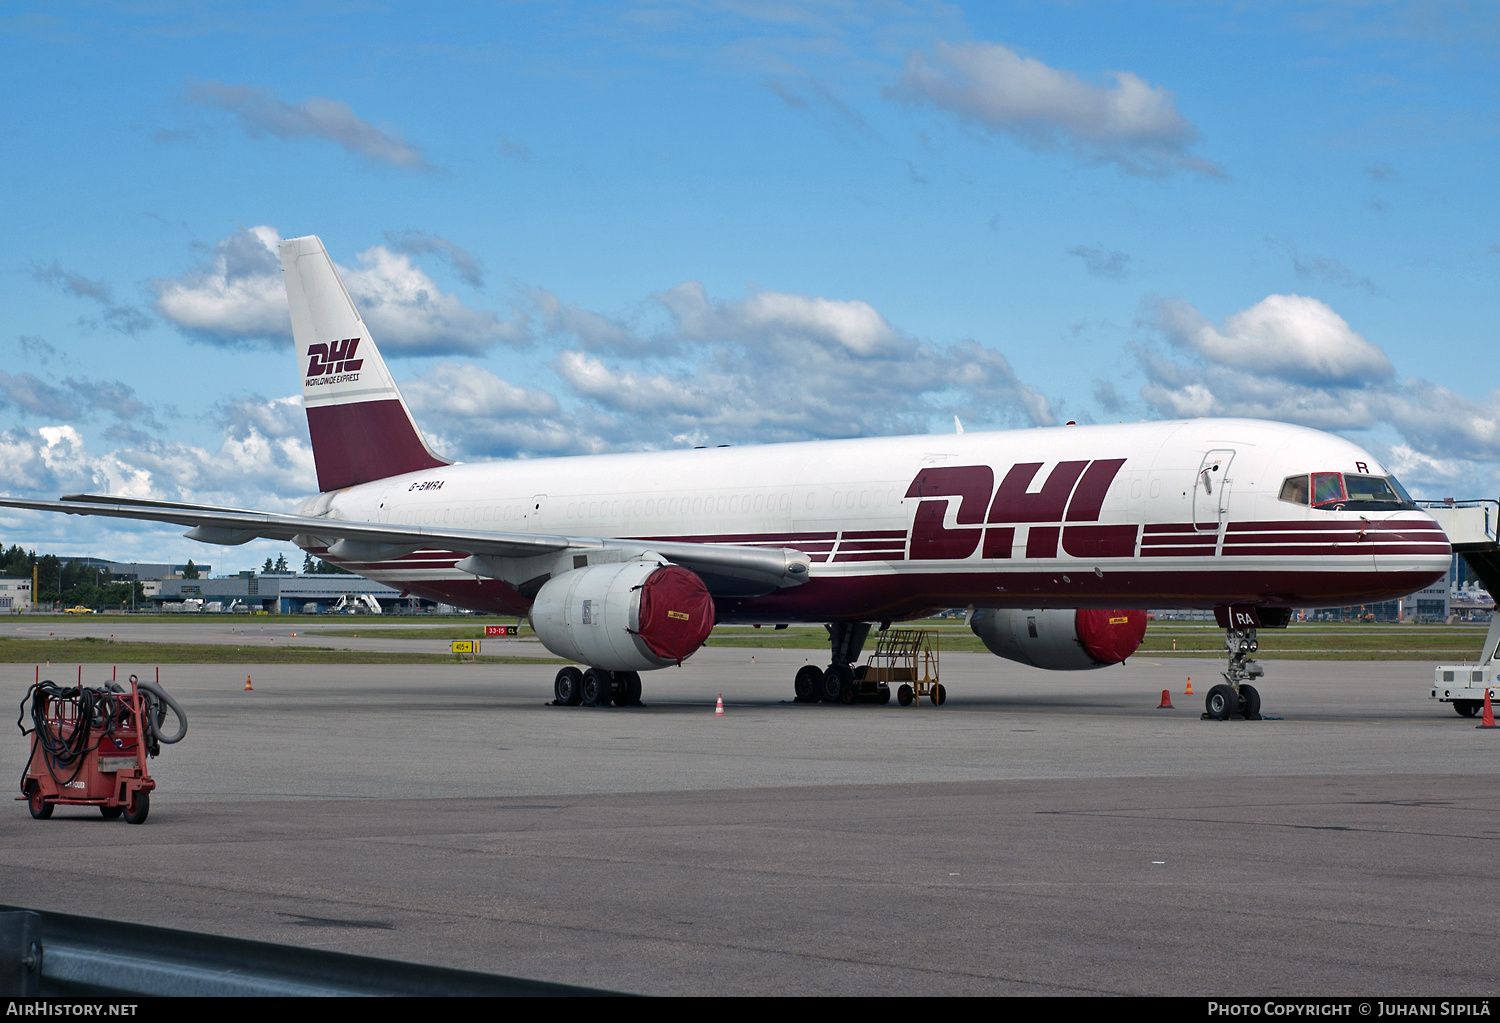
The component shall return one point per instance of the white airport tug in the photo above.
(1471, 527)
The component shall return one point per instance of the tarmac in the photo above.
(1041, 833)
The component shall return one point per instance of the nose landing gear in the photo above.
(1235, 696)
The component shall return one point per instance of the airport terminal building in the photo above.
(282, 593)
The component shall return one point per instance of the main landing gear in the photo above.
(1235, 696)
(839, 682)
(596, 687)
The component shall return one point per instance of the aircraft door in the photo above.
(1211, 490)
(534, 513)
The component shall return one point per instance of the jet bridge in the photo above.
(1472, 530)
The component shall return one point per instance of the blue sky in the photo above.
(594, 227)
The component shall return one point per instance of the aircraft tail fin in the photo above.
(360, 425)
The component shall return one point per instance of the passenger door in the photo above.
(1211, 490)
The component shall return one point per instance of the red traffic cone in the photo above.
(719, 710)
(1488, 721)
(1166, 700)
(248, 687)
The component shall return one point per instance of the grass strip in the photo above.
(106, 651)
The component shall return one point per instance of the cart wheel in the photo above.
(846, 695)
(1466, 708)
(39, 807)
(939, 696)
(885, 695)
(136, 812)
(109, 813)
(903, 696)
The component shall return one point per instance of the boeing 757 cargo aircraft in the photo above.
(625, 562)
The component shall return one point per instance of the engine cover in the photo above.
(628, 616)
(1061, 640)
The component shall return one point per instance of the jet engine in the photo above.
(1061, 640)
(627, 616)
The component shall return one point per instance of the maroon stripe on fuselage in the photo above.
(1259, 526)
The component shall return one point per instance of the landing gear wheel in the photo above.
(568, 688)
(632, 680)
(807, 683)
(904, 695)
(834, 680)
(39, 807)
(1222, 702)
(1466, 708)
(598, 687)
(939, 696)
(136, 812)
(110, 813)
(1250, 702)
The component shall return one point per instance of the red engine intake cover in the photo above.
(1110, 636)
(677, 612)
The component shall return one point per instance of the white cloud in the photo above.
(774, 366)
(455, 389)
(853, 325)
(1131, 122)
(238, 296)
(1287, 336)
(417, 243)
(408, 312)
(468, 411)
(629, 391)
(1295, 360)
(261, 111)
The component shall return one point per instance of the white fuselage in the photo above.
(1165, 514)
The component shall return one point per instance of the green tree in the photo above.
(281, 565)
(191, 571)
(308, 567)
(267, 566)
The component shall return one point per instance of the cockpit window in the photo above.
(1371, 488)
(1294, 489)
(1334, 490)
(1327, 488)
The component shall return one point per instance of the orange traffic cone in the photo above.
(719, 710)
(248, 687)
(1166, 700)
(1488, 721)
(1190, 687)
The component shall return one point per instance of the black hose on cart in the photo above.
(100, 711)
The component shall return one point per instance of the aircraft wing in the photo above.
(726, 568)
